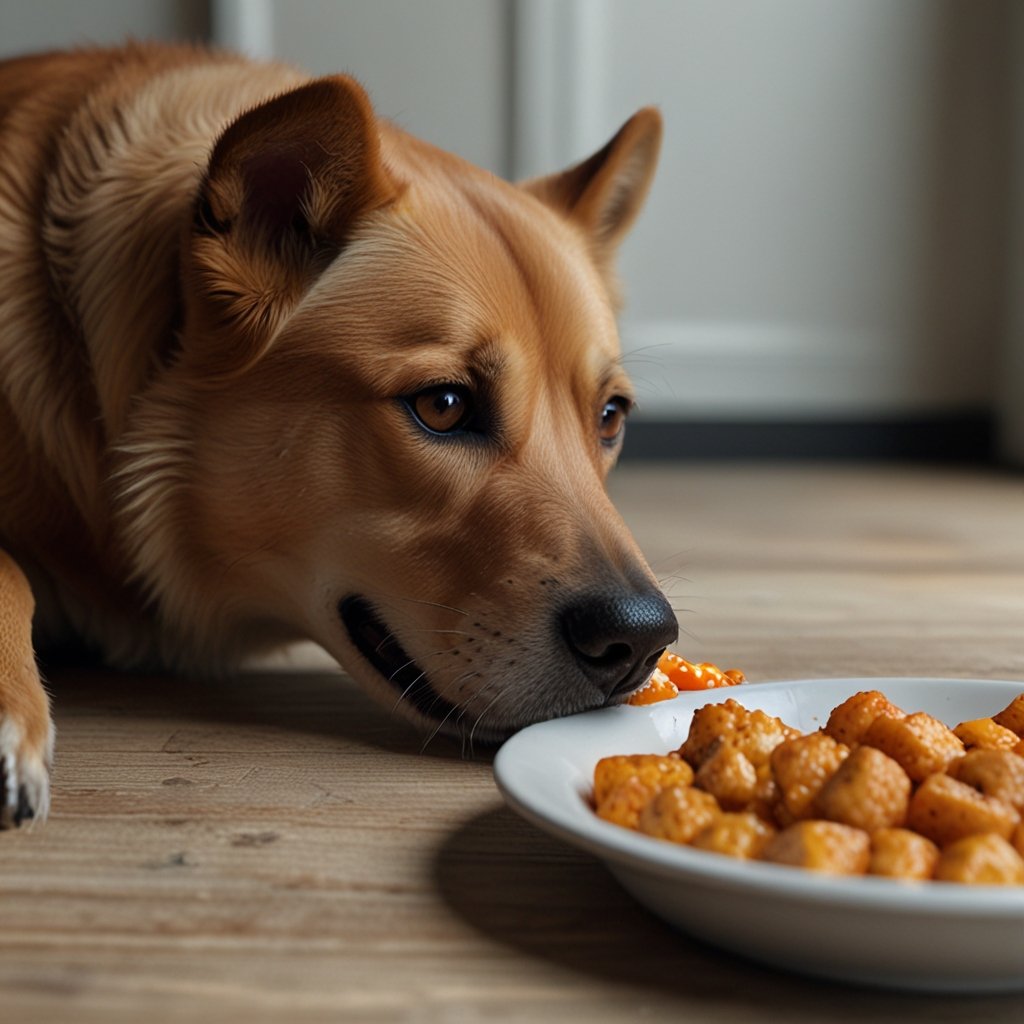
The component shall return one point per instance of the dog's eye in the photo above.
(443, 409)
(613, 419)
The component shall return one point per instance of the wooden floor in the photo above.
(276, 847)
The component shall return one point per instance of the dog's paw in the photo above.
(24, 774)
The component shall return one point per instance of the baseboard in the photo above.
(967, 437)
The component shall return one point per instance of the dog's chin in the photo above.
(379, 648)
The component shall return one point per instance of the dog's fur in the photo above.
(222, 286)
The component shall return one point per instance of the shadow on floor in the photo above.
(319, 704)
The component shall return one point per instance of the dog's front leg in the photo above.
(26, 732)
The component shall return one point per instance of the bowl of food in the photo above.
(870, 832)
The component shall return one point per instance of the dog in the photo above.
(273, 369)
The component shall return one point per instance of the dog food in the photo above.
(675, 673)
(876, 791)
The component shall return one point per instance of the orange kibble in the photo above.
(801, 767)
(753, 733)
(678, 814)
(688, 675)
(625, 802)
(1017, 839)
(654, 770)
(1012, 716)
(987, 734)
(821, 846)
(728, 776)
(869, 790)
(996, 773)
(900, 853)
(945, 810)
(708, 727)
(921, 743)
(851, 719)
(980, 860)
(658, 687)
(742, 835)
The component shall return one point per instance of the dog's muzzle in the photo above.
(379, 646)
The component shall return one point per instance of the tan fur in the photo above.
(217, 278)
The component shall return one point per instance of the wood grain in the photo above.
(273, 846)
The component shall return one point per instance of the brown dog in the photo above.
(271, 368)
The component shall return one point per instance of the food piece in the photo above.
(869, 790)
(766, 794)
(759, 734)
(1012, 716)
(985, 733)
(851, 719)
(688, 675)
(678, 814)
(654, 770)
(675, 673)
(753, 733)
(707, 728)
(742, 835)
(801, 767)
(728, 776)
(821, 846)
(1017, 839)
(900, 853)
(658, 687)
(921, 744)
(998, 773)
(945, 809)
(623, 804)
(980, 860)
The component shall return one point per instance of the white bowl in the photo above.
(928, 936)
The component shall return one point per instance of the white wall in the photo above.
(47, 24)
(440, 68)
(826, 232)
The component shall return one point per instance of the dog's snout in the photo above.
(616, 639)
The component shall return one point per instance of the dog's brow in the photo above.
(489, 362)
(614, 374)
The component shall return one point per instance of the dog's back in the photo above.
(101, 153)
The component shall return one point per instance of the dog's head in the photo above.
(399, 393)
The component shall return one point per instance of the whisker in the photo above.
(675, 557)
(632, 353)
(433, 604)
(393, 637)
(466, 706)
(479, 720)
(423, 672)
(454, 707)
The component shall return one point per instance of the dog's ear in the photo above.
(604, 193)
(285, 186)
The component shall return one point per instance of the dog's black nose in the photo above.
(617, 639)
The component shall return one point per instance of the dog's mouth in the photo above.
(378, 645)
